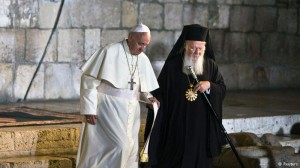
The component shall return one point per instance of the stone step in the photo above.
(290, 140)
(67, 161)
(39, 140)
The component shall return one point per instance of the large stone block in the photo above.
(36, 42)
(231, 2)
(260, 2)
(245, 139)
(164, 1)
(235, 47)
(173, 15)
(159, 47)
(217, 42)
(76, 77)
(242, 18)
(24, 13)
(92, 42)
(219, 16)
(151, 14)
(70, 45)
(12, 45)
(230, 75)
(129, 14)
(95, 13)
(24, 75)
(40, 162)
(58, 82)
(193, 14)
(6, 82)
(265, 19)
(287, 20)
(39, 140)
(6, 145)
(273, 48)
(113, 36)
(48, 13)
(5, 20)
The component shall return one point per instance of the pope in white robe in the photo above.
(114, 79)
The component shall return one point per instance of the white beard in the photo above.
(197, 65)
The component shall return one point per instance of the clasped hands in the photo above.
(202, 86)
(91, 119)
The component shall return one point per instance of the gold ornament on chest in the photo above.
(189, 94)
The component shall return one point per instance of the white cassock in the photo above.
(105, 92)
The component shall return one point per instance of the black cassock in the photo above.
(185, 133)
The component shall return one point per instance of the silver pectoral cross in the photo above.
(131, 82)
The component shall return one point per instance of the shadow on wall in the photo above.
(295, 129)
(157, 51)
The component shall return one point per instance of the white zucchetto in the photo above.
(140, 28)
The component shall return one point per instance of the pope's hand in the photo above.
(91, 119)
(153, 99)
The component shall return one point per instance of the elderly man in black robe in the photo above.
(185, 133)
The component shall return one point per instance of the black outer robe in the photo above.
(186, 134)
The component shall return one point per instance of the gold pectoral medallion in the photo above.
(190, 95)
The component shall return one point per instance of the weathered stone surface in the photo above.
(41, 162)
(270, 140)
(6, 145)
(129, 14)
(159, 47)
(151, 15)
(235, 47)
(76, 77)
(173, 13)
(246, 76)
(220, 17)
(70, 45)
(242, 19)
(265, 19)
(6, 82)
(39, 140)
(36, 42)
(245, 139)
(195, 15)
(95, 13)
(4, 14)
(231, 2)
(168, 0)
(287, 21)
(48, 13)
(58, 82)
(23, 78)
(260, 2)
(24, 13)
(12, 45)
(92, 42)
(112, 36)
(230, 75)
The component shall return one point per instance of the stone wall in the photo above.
(256, 41)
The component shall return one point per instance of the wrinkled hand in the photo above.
(91, 119)
(153, 99)
(202, 86)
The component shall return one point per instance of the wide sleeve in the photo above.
(88, 95)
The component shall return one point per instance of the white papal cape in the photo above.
(113, 141)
